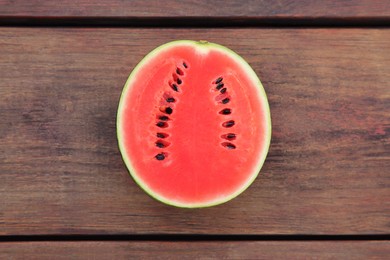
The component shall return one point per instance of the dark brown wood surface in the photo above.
(328, 167)
(197, 8)
(198, 250)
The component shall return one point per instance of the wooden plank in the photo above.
(197, 8)
(197, 250)
(328, 167)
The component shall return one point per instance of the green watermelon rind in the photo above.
(262, 96)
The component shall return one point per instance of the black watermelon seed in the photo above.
(160, 156)
(218, 80)
(160, 124)
(170, 99)
(226, 111)
(160, 145)
(231, 136)
(225, 100)
(179, 81)
(223, 91)
(161, 135)
(168, 110)
(179, 71)
(174, 87)
(163, 118)
(185, 65)
(230, 146)
(229, 123)
(219, 86)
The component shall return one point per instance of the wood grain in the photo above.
(197, 8)
(196, 250)
(328, 167)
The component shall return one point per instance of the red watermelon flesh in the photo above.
(193, 124)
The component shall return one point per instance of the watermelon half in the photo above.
(193, 124)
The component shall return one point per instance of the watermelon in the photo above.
(193, 124)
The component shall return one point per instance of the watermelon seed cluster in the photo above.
(220, 86)
(168, 110)
(176, 79)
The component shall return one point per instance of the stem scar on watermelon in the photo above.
(193, 124)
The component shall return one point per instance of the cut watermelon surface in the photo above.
(193, 124)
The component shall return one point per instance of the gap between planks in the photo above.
(188, 237)
(195, 22)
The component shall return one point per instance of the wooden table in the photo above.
(324, 190)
